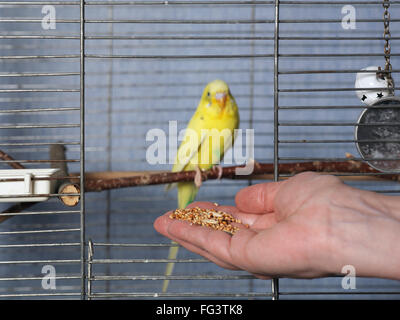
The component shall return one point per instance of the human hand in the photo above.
(308, 226)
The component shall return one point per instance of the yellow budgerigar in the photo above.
(209, 134)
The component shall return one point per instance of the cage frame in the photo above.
(87, 246)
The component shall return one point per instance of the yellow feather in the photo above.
(210, 134)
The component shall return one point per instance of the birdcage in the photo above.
(83, 82)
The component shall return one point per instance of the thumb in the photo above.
(258, 198)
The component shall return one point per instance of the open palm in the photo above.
(308, 226)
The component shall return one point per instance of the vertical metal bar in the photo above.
(82, 146)
(109, 138)
(90, 268)
(251, 104)
(275, 282)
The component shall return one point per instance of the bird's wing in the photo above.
(187, 151)
(214, 147)
(188, 146)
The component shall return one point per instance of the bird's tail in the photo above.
(186, 193)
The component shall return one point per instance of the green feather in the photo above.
(186, 193)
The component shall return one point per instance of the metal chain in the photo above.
(387, 48)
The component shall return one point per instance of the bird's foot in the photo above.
(197, 178)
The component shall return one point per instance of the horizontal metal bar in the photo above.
(339, 38)
(173, 84)
(329, 89)
(305, 141)
(39, 245)
(137, 37)
(348, 174)
(330, 71)
(343, 292)
(290, 21)
(138, 3)
(135, 245)
(229, 56)
(194, 21)
(119, 261)
(334, 124)
(27, 20)
(335, 55)
(40, 37)
(335, 159)
(191, 3)
(181, 21)
(39, 74)
(66, 56)
(67, 261)
(38, 126)
(35, 196)
(212, 56)
(174, 277)
(181, 294)
(39, 3)
(167, 3)
(118, 37)
(26, 295)
(328, 107)
(39, 110)
(37, 90)
(40, 213)
(37, 161)
(39, 278)
(147, 21)
(286, 2)
(19, 144)
(38, 231)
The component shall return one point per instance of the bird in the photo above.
(209, 134)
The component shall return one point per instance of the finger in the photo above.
(258, 198)
(205, 254)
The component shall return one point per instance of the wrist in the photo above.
(367, 236)
(384, 227)
(390, 206)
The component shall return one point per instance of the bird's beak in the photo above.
(220, 98)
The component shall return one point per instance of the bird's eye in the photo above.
(208, 94)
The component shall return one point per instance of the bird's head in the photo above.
(217, 97)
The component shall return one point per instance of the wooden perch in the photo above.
(100, 181)
(63, 185)
(15, 165)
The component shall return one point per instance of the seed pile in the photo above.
(210, 218)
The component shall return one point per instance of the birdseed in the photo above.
(210, 218)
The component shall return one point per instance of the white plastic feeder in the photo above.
(26, 185)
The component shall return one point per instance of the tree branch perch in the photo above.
(100, 181)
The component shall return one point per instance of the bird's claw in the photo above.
(197, 178)
(220, 171)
